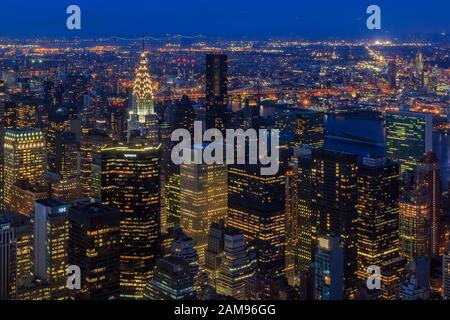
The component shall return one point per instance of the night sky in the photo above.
(231, 18)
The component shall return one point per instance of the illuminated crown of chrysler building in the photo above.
(143, 98)
(143, 121)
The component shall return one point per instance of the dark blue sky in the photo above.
(306, 18)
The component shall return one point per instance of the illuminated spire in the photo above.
(143, 91)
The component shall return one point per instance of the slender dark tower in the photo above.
(392, 74)
(216, 90)
(334, 203)
(428, 180)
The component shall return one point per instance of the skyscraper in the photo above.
(142, 115)
(428, 179)
(214, 252)
(335, 200)
(307, 225)
(24, 158)
(51, 237)
(21, 263)
(291, 198)
(131, 183)
(178, 116)
(419, 71)
(2, 134)
(238, 264)
(7, 250)
(309, 128)
(216, 90)
(203, 200)
(66, 184)
(67, 151)
(414, 224)
(90, 149)
(446, 274)
(408, 137)
(378, 213)
(94, 246)
(58, 123)
(392, 74)
(329, 270)
(256, 207)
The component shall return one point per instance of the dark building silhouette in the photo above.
(392, 74)
(428, 179)
(216, 90)
(94, 246)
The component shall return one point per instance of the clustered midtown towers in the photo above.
(141, 227)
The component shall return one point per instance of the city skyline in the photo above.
(223, 169)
